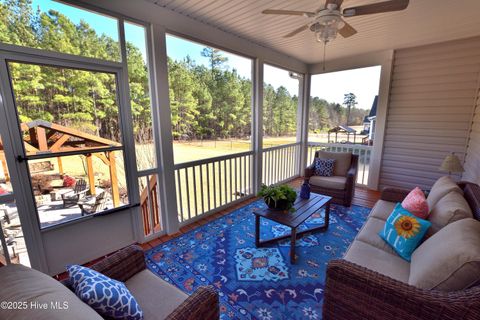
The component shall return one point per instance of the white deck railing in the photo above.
(280, 163)
(210, 184)
(206, 185)
(362, 151)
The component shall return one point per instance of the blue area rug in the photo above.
(257, 283)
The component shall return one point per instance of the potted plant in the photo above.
(278, 197)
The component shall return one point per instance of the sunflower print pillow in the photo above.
(403, 231)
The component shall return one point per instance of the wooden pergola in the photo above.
(43, 137)
(345, 130)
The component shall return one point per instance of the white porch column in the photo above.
(257, 124)
(162, 112)
(382, 106)
(302, 121)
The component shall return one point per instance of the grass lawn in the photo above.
(197, 150)
(232, 177)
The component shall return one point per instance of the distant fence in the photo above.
(237, 144)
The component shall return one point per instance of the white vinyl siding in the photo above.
(472, 163)
(432, 94)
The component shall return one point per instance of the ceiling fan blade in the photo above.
(289, 12)
(296, 31)
(347, 30)
(386, 6)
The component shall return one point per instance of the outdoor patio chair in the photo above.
(79, 191)
(94, 204)
(340, 186)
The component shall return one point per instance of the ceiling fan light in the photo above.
(331, 20)
(326, 35)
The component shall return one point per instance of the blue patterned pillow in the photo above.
(403, 231)
(324, 167)
(108, 297)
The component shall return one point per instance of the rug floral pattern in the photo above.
(257, 283)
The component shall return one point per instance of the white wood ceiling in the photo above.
(423, 22)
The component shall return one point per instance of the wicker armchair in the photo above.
(126, 263)
(343, 195)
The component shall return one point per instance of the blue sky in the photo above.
(179, 49)
(331, 86)
(102, 24)
(362, 82)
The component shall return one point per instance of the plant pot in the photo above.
(280, 205)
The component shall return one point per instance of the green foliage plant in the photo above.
(273, 194)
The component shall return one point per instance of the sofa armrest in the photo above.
(123, 264)
(355, 292)
(394, 194)
(202, 304)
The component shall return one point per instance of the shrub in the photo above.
(273, 194)
(69, 181)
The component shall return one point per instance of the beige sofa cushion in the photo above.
(378, 260)
(19, 283)
(156, 297)
(450, 259)
(369, 234)
(343, 161)
(441, 188)
(382, 209)
(333, 182)
(452, 207)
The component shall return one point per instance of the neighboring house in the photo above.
(370, 121)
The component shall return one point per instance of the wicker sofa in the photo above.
(370, 284)
(158, 299)
(340, 186)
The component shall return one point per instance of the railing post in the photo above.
(257, 125)
(302, 122)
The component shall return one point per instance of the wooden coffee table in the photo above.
(304, 209)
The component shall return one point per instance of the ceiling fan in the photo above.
(327, 21)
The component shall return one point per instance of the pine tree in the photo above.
(207, 102)
(350, 100)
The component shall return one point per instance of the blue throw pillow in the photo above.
(403, 231)
(324, 167)
(110, 298)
